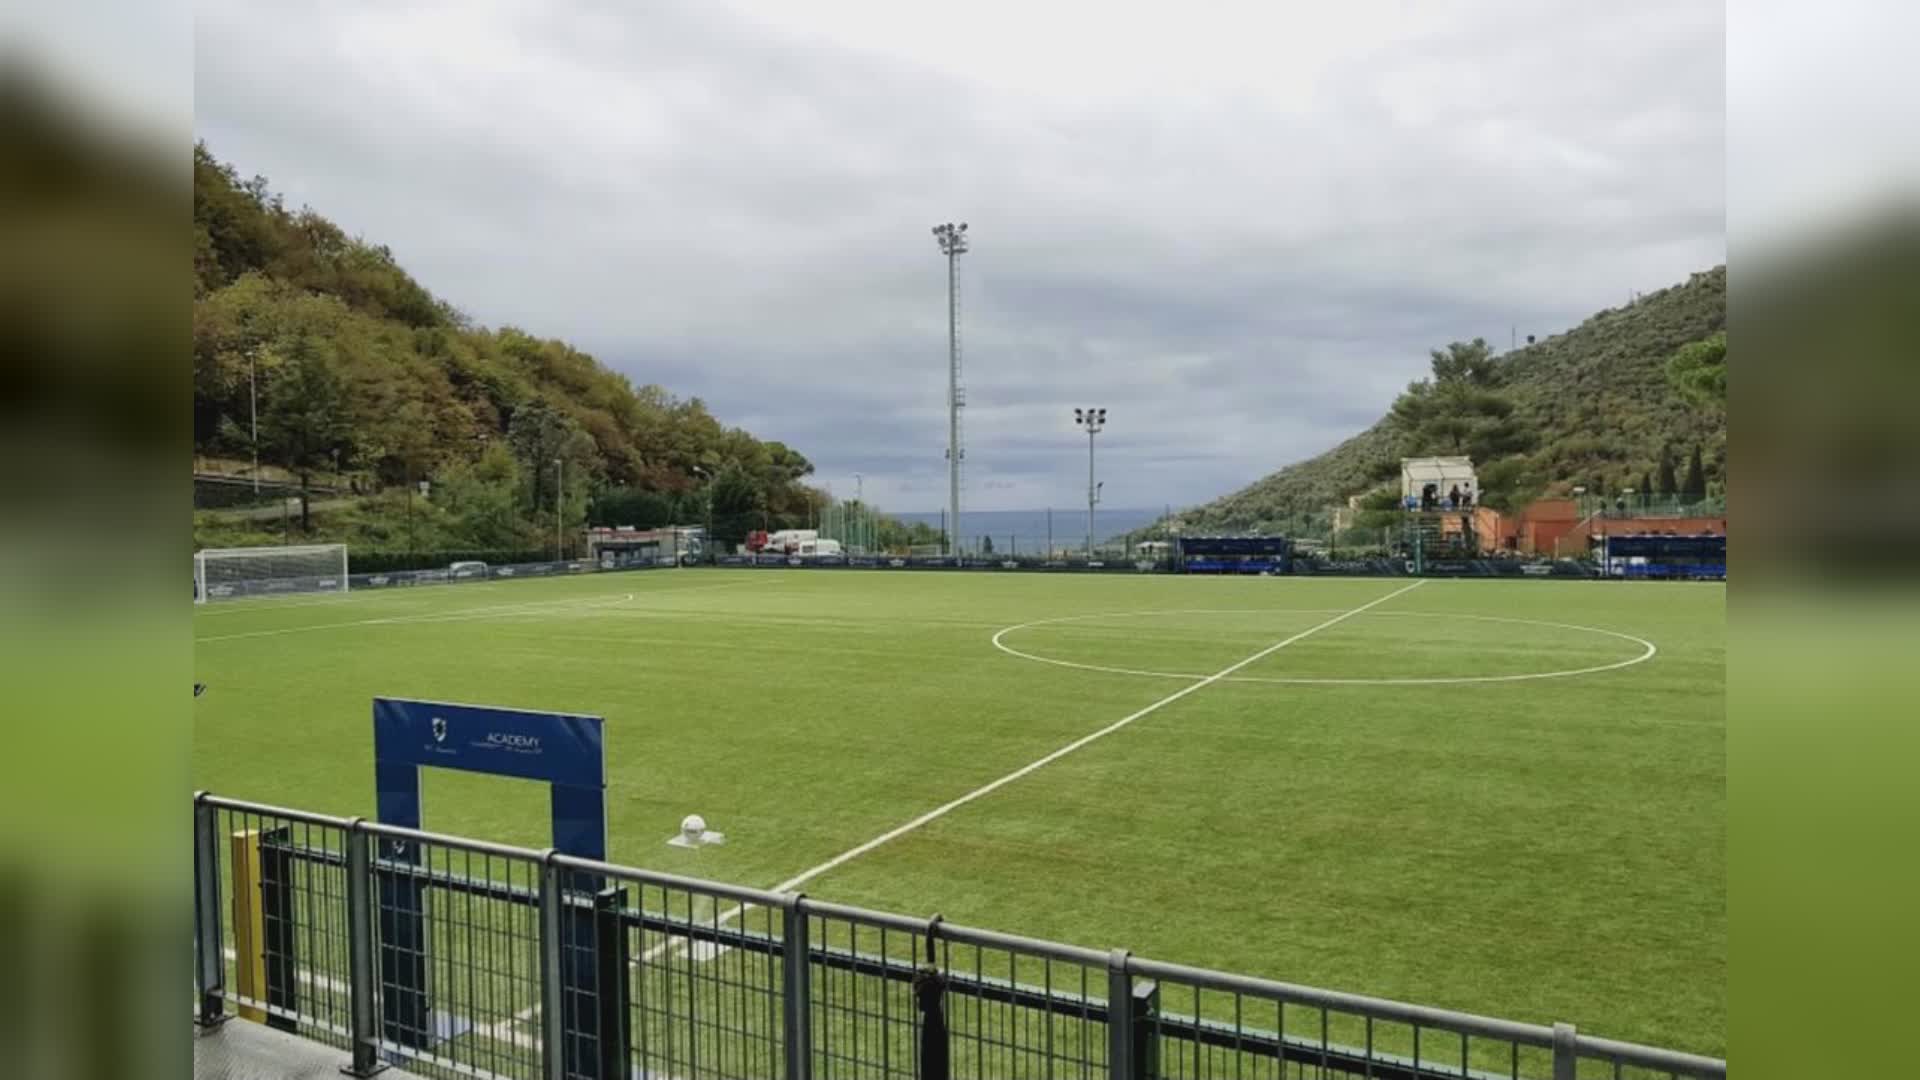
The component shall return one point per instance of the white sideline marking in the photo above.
(989, 788)
(504, 1031)
(530, 607)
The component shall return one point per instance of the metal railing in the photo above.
(460, 958)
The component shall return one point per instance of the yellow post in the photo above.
(249, 925)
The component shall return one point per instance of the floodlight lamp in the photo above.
(1078, 415)
(963, 226)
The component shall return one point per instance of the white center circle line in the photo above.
(1648, 649)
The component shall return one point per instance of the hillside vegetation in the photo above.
(1594, 406)
(363, 374)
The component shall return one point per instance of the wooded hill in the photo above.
(361, 371)
(1594, 406)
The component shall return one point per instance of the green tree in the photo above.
(1695, 487)
(1461, 410)
(986, 545)
(483, 498)
(736, 505)
(1459, 418)
(540, 435)
(1378, 510)
(304, 422)
(1669, 483)
(631, 506)
(424, 388)
(1468, 362)
(1698, 371)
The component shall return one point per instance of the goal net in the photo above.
(232, 573)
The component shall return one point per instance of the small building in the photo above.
(1566, 528)
(1427, 483)
(628, 546)
(1542, 527)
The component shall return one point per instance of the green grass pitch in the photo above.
(1542, 848)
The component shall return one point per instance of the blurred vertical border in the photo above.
(1824, 239)
(1823, 186)
(95, 642)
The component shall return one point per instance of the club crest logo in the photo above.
(439, 729)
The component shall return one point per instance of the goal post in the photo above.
(233, 573)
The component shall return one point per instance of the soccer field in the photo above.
(1507, 797)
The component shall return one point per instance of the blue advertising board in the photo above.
(563, 749)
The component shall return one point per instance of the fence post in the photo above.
(1144, 1024)
(610, 984)
(279, 943)
(1566, 1052)
(796, 987)
(552, 1006)
(1120, 1064)
(360, 989)
(209, 964)
(935, 1052)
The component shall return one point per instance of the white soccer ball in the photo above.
(693, 825)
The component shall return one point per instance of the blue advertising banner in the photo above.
(393, 579)
(563, 749)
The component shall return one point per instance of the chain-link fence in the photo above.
(459, 958)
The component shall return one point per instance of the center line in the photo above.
(987, 789)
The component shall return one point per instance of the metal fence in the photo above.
(459, 958)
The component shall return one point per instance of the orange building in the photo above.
(1556, 527)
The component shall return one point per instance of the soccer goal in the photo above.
(231, 573)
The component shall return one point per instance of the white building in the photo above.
(1428, 481)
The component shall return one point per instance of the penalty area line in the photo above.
(1031, 767)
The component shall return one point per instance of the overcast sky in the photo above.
(1239, 227)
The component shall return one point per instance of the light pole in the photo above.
(253, 417)
(860, 500)
(707, 484)
(953, 244)
(559, 500)
(1093, 420)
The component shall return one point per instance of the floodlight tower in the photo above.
(1093, 420)
(953, 244)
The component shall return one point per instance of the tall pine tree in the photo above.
(1695, 488)
(1669, 483)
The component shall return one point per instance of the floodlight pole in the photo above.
(559, 500)
(860, 500)
(707, 481)
(1093, 419)
(253, 417)
(953, 244)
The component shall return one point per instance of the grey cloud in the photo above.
(740, 213)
